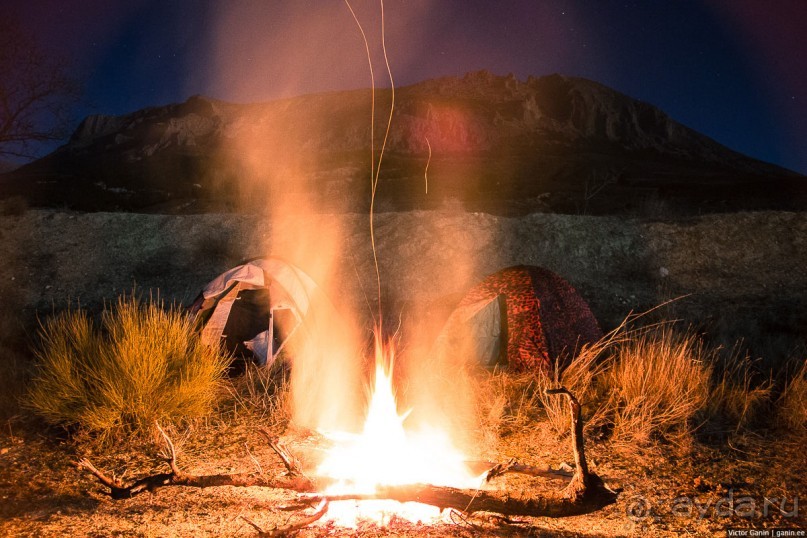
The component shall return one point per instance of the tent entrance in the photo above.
(477, 332)
(489, 330)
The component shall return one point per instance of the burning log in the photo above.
(501, 502)
(293, 480)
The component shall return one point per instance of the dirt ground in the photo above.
(709, 490)
(741, 275)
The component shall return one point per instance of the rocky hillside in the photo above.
(740, 276)
(497, 144)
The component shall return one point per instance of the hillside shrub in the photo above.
(145, 364)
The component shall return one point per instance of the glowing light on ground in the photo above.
(386, 453)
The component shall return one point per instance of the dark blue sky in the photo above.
(735, 70)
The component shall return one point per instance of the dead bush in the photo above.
(585, 377)
(259, 394)
(505, 402)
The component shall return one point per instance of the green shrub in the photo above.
(146, 364)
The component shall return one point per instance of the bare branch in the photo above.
(513, 466)
(582, 479)
(254, 459)
(37, 93)
(172, 459)
(119, 490)
(292, 464)
(321, 510)
(104, 479)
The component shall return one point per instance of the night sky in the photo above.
(735, 70)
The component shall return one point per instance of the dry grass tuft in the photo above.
(658, 381)
(506, 403)
(736, 399)
(643, 388)
(792, 404)
(148, 364)
(259, 394)
(584, 377)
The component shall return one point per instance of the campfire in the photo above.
(386, 453)
(387, 472)
(390, 467)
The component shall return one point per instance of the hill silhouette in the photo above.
(500, 145)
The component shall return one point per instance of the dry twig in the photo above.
(294, 480)
(321, 510)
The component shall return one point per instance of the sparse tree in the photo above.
(37, 93)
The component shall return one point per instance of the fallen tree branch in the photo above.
(172, 453)
(292, 464)
(294, 480)
(119, 490)
(502, 502)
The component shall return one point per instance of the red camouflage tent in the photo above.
(524, 317)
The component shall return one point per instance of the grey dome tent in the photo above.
(256, 307)
(524, 317)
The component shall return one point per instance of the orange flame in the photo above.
(387, 453)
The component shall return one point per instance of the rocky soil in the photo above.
(734, 276)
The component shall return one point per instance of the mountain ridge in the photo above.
(493, 142)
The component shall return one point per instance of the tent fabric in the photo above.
(544, 319)
(482, 321)
(241, 307)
